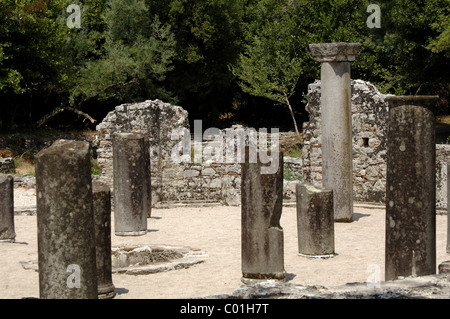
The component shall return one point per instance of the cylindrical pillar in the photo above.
(102, 218)
(65, 220)
(315, 221)
(448, 208)
(7, 233)
(410, 189)
(262, 245)
(336, 123)
(131, 169)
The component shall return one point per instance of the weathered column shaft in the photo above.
(410, 190)
(131, 182)
(448, 208)
(336, 123)
(148, 176)
(337, 159)
(262, 236)
(102, 218)
(65, 220)
(315, 221)
(7, 232)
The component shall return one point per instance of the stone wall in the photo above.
(7, 165)
(174, 183)
(155, 119)
(369, 128)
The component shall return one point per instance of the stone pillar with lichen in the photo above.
(315, 221)
(101, 195)
(7, 233)
(262, 243)
(131, 183)
(410, 188)
(65, 222)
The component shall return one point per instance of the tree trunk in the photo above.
(292, 114)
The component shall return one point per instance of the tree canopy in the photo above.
(225, 61)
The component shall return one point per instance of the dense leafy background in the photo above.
(225, 61)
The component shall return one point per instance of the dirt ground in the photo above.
(215, 230)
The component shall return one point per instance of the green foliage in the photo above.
(30, 45)
(211, 57)
(270, 65)
(138, 54)
(290, 176)
(411, 47)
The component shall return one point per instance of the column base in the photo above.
(10, 240)
(131, 233)
(343, 220)
(250, 279)
(106, 292)
(318, 256)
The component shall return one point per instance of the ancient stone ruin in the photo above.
(411, 188)
(189, 182)
(369, 131)
(337, 165)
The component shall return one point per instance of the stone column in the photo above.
(262, 245)
(65, 220)
(7, 233)
(410, 188)
(102, 218)
(148, 176)
(315, 221)
(336, 107)
(130, 163)
(448, 207)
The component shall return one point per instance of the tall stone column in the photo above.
(262, 242)
(7, 233)
(131, 181)
(102, 218)
(336, 109)
(65, 220)
(410, 188)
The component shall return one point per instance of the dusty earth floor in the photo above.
(216, 231)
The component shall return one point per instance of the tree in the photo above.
(412, 46)
(270, 66)
(32, 60)
(138, 55)
(208, 38)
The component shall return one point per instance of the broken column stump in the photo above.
(102, 218)
(315, 221)
(65, 220)
(410, 188)
(262, 249)
(131, 162)
(7, 232)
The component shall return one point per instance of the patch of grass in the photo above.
(24, 164)
(289, 176)
(95, 170)
(295, 152)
